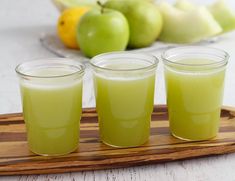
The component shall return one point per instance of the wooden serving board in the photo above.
(15, 158)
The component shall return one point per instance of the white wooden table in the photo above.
(22, 22)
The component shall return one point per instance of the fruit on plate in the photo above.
(223, 14)
(187, 26)
(67, 26)
(145, 21)
(185, 5)
(64, 4)
(102, 30)
(220, 10)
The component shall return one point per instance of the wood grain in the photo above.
(16, 159)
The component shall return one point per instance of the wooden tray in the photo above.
(15, 158)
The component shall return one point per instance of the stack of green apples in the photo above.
(115, 25)
(119, 24)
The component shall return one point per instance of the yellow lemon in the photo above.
(67, 25)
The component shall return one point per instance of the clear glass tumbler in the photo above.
(194, 78)
(124, 89)
(51, 91)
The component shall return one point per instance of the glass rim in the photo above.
(223, 55)
(153, 63)
(61, 61)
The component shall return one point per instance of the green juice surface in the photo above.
(52, 113)
(194, 100)
(124, 107)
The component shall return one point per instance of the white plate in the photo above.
(53, 44)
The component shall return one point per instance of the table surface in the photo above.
(22, 23)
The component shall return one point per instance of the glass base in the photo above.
(117, 146)
(54, 155)
(186, 139)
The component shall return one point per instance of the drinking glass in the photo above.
(51, 91)
(124, 88)
(194, 78)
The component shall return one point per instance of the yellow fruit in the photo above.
(67, 25)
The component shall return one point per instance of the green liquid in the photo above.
(194, 101)
(52, 112)
(124, 107)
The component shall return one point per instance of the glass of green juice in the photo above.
(51, 92)
(124, 90)
(194, 78)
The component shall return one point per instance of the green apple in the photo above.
(145, 21)
(223, 14)
(187, 26)
(101, 31)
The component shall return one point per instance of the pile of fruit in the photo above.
(97, 27)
